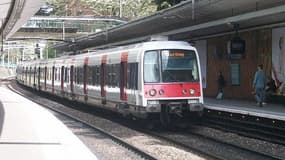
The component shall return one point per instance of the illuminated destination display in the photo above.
(176, 54)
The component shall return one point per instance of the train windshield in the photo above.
(174, 66)
(179, 66)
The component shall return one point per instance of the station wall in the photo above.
(239, 72)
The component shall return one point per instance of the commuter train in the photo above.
(158, 79)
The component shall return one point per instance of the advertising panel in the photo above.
(278, 58)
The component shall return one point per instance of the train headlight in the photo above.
(152, 92)
(184, 91)
(161, 92)
(192, 91)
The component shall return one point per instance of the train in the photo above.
(148, 80)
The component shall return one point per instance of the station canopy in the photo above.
(187, 22)
(15, 13)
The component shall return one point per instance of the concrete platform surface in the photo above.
(6, 72)
(269, 110)
(30, 132)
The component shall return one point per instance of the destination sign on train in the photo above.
(176, 54)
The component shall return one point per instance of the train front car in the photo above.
(172, 85)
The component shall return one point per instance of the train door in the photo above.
(85, 78)
(39, 78)
(26, 73)
(45, 79)
(34, 76)
(52, 80)
(72, 79)
(103, 79)
(30, 77)
(123, 80)
(62, 79)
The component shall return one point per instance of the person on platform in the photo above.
(221, 85)
(259, 85)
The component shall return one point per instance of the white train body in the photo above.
(135, 80)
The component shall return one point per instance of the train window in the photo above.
(52, 73)
(49, 74)
(117, 76)
(35, 72)
(108, 73)
(85, 74)
(75, 75)
(93, 75)
(55, 73)
(129, 78)
(80, 75)
(132, 76)
(71, 74)
(98, 75)
(66, 77)
(113, 75)
(60, 73)
(135, 75)
(151, 67)
(90, 73)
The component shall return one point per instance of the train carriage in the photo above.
(160, 78)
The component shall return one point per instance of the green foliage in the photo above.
(131, 9)
(59, 7)
(163, 4)
(51, 52)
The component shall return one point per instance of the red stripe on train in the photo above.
(172, 90)
(123, 85)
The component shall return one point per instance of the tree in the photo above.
(163, 4)
(131, 8)
(70, 7)
(48, 52)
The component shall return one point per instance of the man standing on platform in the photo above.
(259, 85)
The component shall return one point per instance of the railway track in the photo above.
(255, 127)
(210, 146)
(209, 152)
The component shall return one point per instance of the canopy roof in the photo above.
(210, 18)
(14, 13)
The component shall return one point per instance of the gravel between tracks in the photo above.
(263, 146)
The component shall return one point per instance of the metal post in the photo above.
(8, 54)
(121, 8)
(193, 9)
(3, 59)
(63, 30)
(47, 51)
(106, 32)
(23, 54)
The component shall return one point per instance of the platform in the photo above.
(29, 131)
(269, 110)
